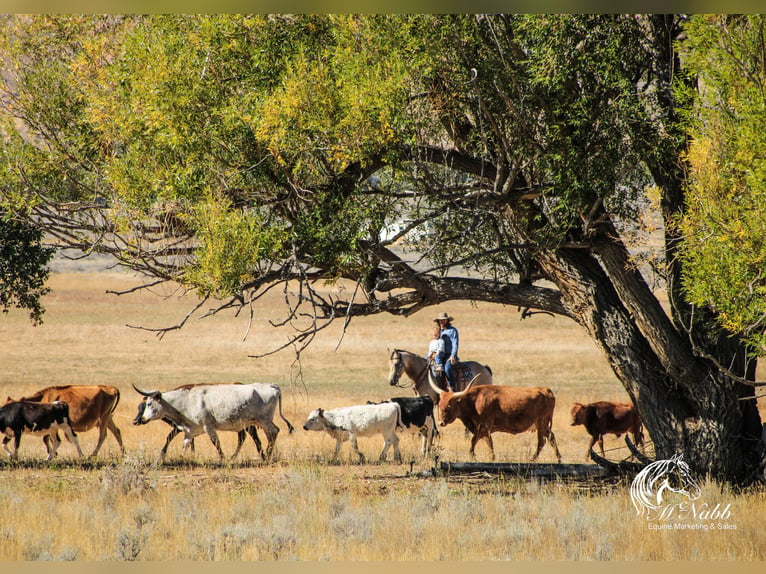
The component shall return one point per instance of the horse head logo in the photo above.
(648, 489)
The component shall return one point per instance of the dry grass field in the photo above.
(304, 507)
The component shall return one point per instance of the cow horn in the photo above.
(468, 386)
(431, 382)
(144, 392)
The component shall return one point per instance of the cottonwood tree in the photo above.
(234, 155)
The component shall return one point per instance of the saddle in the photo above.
(463, 371)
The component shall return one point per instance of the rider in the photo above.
(436, 346)
(448, 360)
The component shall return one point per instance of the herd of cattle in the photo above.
(244, 408)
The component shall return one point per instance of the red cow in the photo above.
(493, 408)
(604, 417)
(89, 406)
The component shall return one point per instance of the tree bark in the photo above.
(692, 409)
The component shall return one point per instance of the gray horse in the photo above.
(416, 368)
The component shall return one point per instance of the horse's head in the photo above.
(396, 367)
(679, 479)
(652, 483)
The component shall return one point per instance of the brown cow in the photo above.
(494, 408)
(605, 417)
(89, 406)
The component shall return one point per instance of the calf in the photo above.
(417, 416)
(90, 406)
(348, 423)
(38, 419)
(604, 417)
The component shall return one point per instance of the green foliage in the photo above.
(725, 222)
(234, 244)
(23, 267)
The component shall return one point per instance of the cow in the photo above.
(210, 408)
(493, 408)
(38, 419)
(417, 416)
(605, 417)
(176, 429)
(89, 406)
(349, 423)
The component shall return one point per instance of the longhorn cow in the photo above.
(210, 408)
(493, 408)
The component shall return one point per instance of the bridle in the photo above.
(399, 367)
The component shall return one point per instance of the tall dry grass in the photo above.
(305, 506)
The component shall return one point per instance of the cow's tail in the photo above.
(279, 398)
(116, 402)
(399, 421)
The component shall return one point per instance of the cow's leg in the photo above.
(114, 429)
(488, 438)
(240, 440)
(601, 444)
(188, 442)
(542, 430)
(171, 435)
(552, 440)
(428, 436)
(474, 439)
(211, 432)
(355, 447)
(338, 442)
(397, 453)
(47, 442)
(69, 433)
(391, 440)
(16, 444)
(593, 440)
(253, 432)
(271, 431)
(52, 442)
(6, 440)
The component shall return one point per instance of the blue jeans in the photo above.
(450, 371)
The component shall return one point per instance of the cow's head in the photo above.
(449, 401)
(150, 408)
(316, 421)
(578, 414)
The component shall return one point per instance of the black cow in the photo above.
(38, 419)
(418, 416)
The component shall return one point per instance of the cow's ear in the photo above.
(320, 412)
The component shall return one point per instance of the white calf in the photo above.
(348, 423)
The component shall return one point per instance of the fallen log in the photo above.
(623, 467)
(637, 453)
(527, 469)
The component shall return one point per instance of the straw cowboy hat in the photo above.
(443, 317)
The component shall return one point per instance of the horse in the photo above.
(416, 367)
(650, 485)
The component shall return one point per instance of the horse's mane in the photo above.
(646, 488)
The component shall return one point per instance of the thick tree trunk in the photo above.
(692, 409)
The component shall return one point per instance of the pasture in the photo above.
(304, 506)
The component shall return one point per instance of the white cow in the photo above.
(207, 409)
(348, 423)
